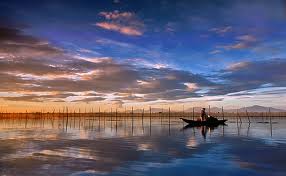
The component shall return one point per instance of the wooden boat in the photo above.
(211, 123)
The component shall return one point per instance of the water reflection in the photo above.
(135, 147)
(203, 129)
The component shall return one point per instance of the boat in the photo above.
(211, 123)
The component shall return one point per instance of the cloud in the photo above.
(249, 75)
(239, 45)
(131, 97)
(28, 74)
(247, 38)
(242, 42)
(89, 99)
(117, 15)
(175, 94)
(221, 30)
(103, 76)
(37, 75)
(215, 51)
(258, 72)
(108, 42)
(123, 22)
(237, 66)
(272, 91)
(31, 66)
(171, 27)
(128, 30)
(164, 79)
(13, 43)
(53, 97)
(26, 98)
(191, 86)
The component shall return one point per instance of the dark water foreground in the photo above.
(108, 148)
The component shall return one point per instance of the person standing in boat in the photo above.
(203, 114)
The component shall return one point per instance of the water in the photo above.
(90, 147)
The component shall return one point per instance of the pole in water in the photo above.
(150, 114)
(111, 116)
(79, 122)
(132, 118)
(269, 113)
(237, 116)
(74, 115)
(150, 119)
(183, 111)
(248, 117)
(67, 121)
(162, 114)
(142, 118)
(270, 118)
(193, 113)
(103, 119)
(132, 122)
(99, 118)
(116, 120)
(222, 112)
(125, 114)
(169, 115)
(26, 119)
(132, 113)
(169, 121)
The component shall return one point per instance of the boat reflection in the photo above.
(203, 129)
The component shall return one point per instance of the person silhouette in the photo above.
(203, 114)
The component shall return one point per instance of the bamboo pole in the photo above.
(142, 117)
(116, 120)
(183, 111)
(142, 120)
(67, 121)
(169, 121)
(150, 120)
(99, 117)
(150, 115)
(222, 113)
(26, 119)
(169, 116)
(193, 113)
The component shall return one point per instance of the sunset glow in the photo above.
(119, 54)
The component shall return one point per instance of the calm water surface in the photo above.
(90, 147)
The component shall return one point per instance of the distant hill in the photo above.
(255, 108)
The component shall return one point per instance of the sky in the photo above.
(123, 53)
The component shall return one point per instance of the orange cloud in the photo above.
(243, 41)
(116, 15)
(237, 66)
(128, 30)
(124, 22)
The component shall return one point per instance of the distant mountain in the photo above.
(255, 108)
